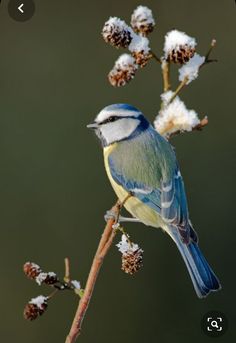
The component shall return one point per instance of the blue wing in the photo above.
(146, 194)
(167, 197)
(174, 209)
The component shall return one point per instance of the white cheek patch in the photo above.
(118, 130)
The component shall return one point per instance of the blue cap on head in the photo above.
(124, 107)
(120, 110)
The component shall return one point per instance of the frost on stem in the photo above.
(179, 47)
(132, 255)
(123, 71)
(117, 33)
(175, 116)
(142, 20)
(191, 68)
(35, 307)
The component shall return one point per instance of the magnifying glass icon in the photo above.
(214, 324)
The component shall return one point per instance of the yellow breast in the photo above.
(133, 205)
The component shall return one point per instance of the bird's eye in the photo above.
(110, 119)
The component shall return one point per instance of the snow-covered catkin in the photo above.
(140, 50)
(49, 278)
(35, 308)
(174, 116)
(117, 33)
(179, 47)
(141, 58)
(132, 256)
(123, 71)
(142, 20)
(132, 261)
(32, 270)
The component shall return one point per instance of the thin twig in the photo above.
(165, 65)
(67, 270)
(179, 88)
(166, 75)
(52, 294)
(213, 44)
(103, 247)
(207, 56)
(185, 80)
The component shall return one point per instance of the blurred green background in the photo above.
(54, 191)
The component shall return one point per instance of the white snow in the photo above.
(76, 284)
(191, 68)
(125, 247)
(174, 116)
(124, 61)
(143, 13)
(39, 301)
(139, 44)
(52, 274)
(166, 96)
(118, 23)
(175, 39)
(40, 278)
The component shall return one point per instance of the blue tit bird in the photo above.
(139, 161)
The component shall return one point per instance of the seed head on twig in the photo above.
(35, 307)
(132, 261)
(32, 270)
(117, 33)
(49, 278)
(140, 50)
(132, 255)
(179, 47)
(123, 71)
(142, 20)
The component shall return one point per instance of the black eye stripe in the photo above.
(114, 118)
(110, 120)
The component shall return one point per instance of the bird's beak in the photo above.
(93, 126)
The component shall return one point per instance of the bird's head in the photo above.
(118, 122)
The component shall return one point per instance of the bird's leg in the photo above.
(125, 219)
(118, 218)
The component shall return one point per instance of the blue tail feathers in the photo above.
(203, 278)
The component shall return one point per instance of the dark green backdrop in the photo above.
(53, 189)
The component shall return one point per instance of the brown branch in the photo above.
(198, 127)
(207, 56)
(165, 65)
(213, 44)
(178, 89)
(166, 75)
(103, 247)
(67, 270)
